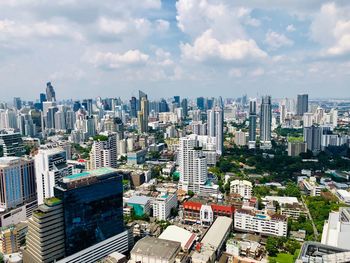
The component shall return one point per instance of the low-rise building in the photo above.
(343, 196)
(311, 187)
(138, 157)
(242, 187)
(178, 234)
(250, 220)
(163, 204)
(141, 205)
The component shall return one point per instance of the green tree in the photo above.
(272, 246)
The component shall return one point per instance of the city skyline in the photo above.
(209, 47)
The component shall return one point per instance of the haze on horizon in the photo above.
(90, 48)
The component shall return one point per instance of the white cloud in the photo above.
(257, 72)
(206, 47)
(331, 28)
(111, 60)
(290, 28)
(162, 25)
(276, 40)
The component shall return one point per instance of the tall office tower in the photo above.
(184, 105)
(334, 117)
(312, 137)
(50, 117)
(12, 144)
(42, 98)
(143, 116)
(93, 207)
(192, 165)
(163, 106)
(17, 181)
(45, 237)
(252, 123)
(302, 104)
(8, 119)
(89, 127)
(211, 123)
(265, 120)
(17, 103)
(26, 125)
(50, 92)
(215, 126)
(70, 120)
(87, 103)
(50, 167)
(177, 100)
(104, 152)
(76, 106)
(133, 107)
(201, 103)
(60, 120)
(141, 95)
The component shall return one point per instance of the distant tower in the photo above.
(265, 120)
(302, 104)
(215, 125)
(252, 123)
(17, 103)
(133, 107)
(50, 92)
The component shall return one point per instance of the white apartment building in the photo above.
(192, 165)
(50, 167)
(336, 230)
(104, 152)
(242, 187)
(259, 222)
(311, 187)
(240, 138)
(163, 204)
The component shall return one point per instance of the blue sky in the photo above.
(90, 48)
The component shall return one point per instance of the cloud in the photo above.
(290, 28)
(162, 25)
(206, 47)
(275, 40)
(331, 28)
(111, 60)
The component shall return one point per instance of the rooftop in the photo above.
(139, 199)
(217, 231)
(175, 233)
(91, 173)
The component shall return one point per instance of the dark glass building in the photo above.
(201, 103)
(93, 207)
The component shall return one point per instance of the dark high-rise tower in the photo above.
(252, 121)
(184, 106)
(302, 104)
(177, 100)
(17, 103)
(265, 119)
(50, 92)
(201, 103)
(133, 107)
(93, 207)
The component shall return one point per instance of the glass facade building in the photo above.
(93, 207)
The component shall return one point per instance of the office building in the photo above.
(163, 204)
(201, 103)
(242, 187)
(12, 237)
(265, 121)
(143, 116)
(312, 137)
(93, 207)
(12, 144)
(50, 92)
(177, 100)
(215, 126)
(252, 123)
(17, 182)
(133, 107)
(336, 230)
(104, 151)
(296, 147)
(192, 165)
(45, 237)
(50, 167)
(240, 138)
(141, 205)
(17, 103)
(260, 222)
(302, 104)
(184, 106)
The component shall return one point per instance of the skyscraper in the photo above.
(143, 115)
(17, 103)
(215, 126)
(50, 92)
(104, 152)
(93, 207)
(17, 181)
(50, 167)
(177, 100)
(252, 123)
(201, 103)
(265, 120)
(302, 104)
(184, 105)
(312, 137)
(133, 107)
(192, 165)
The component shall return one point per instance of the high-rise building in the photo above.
(50, 167)
(89, 127)
(133, 107)
(141, 95)
(252, 123)
(177, 100)
(8, 119)
(265, 120)
(17, 182)
(50, 92)
(184, 105)
(143, 116)
(312, 137)
(93, 207)
(104, 151)
(215, 126)
(12, 144)
(302, 104)
(192, 165)
(45, 238)
(201, 103)
(87, 103)
(17, 103)
(50, 117)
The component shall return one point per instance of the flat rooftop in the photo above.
(217, 231)
(92, 173)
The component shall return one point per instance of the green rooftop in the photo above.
(52, 201)
(96, 172)
(295, 139)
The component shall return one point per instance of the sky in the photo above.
(113, 48)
